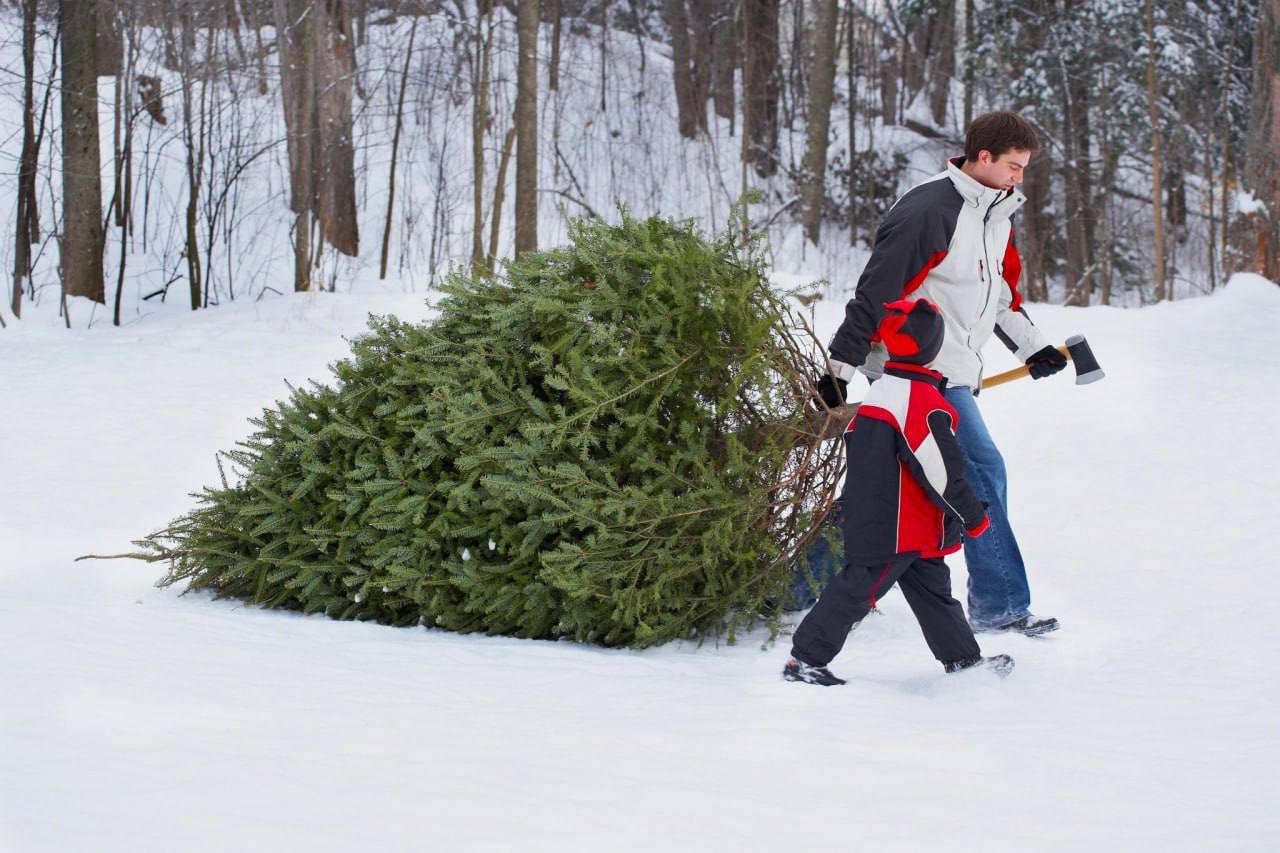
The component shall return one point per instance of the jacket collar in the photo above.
(1001, 204)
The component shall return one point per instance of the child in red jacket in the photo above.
(906, 505)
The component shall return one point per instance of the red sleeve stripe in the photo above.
(1012, 271)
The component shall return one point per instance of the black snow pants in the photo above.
(925, 583)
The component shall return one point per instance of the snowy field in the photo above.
(136, 719)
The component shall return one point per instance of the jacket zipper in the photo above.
(988, 279)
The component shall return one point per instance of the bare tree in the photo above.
(1074, 85)
(317, 66)
(193, 138)
(82, 239)
(1157, 200)
(690, 111)
(395, 149)
(941, 50)
(821, 88)
(761, 84)
(499, 196)
(724, 56)
(481, 57)
(27, 224)
(527, 127)
(968, 18)
(1227, 68)
(125, 118)
(1035, 227)
(1262, 156)
(553, 71)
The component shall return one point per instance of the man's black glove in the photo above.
(1046, 362)
(833, 390)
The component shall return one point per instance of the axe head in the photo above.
(1087, 368)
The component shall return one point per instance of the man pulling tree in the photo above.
(950, 240)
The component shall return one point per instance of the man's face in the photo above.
(1003, 172)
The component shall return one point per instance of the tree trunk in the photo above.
(702, 57)
(294, 24)
(553, 71)
(794, 92)
(27, 162)
(1175, 199)
(124, 199)
(688, 106)
(890, 84)
(1157, 192)
(527, 127)
(317, 67)
(1228, 68)
(499, 196)
(82, 273)
(479, 126)
(1106, 227)
(851, 86)
(193, 140)
(821, 87)
(109, 51)
(761, 84)
(913, 51)
(1078, 185)
(724, 58)
(942, 58)
(336, 175)
(1034, 227)
(362, 21)
(604, 54)
(968, 61)
(395, 149)
(1262, 153)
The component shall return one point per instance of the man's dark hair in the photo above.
(998, 133)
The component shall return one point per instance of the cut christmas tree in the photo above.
(610, 442)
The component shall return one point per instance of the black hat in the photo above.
(911, 330)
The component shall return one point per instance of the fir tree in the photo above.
(608, 443)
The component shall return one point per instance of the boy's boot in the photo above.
(1001, 665)
(797, 670)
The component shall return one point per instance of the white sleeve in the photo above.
(843, 370)
(1017, 327)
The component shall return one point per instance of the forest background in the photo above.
(243, 148)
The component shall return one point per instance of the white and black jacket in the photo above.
(948, 240)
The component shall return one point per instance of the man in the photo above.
(950, 240)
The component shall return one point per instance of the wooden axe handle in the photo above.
(1016, 373)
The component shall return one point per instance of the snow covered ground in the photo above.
(136, 719)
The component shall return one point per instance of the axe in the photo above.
(1077, 351)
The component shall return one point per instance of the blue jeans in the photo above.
(825, 559)
(998, 590)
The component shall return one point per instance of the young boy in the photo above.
(906, 505)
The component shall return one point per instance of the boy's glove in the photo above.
(833, 390)
(979, 528)
(1046, 362)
